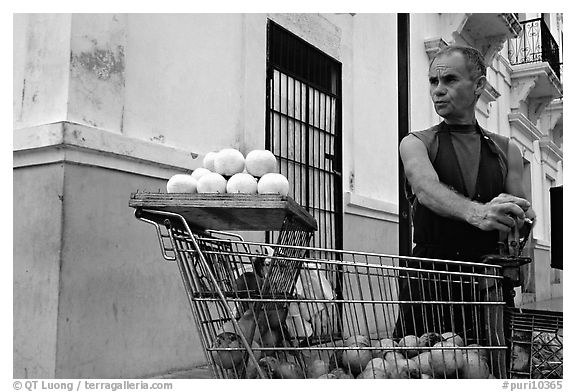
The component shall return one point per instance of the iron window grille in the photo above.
(303, 128)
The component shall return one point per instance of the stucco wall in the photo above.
(123, 310)
(37, 230)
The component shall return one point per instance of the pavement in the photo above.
(200, 372)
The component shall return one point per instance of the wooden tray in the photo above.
(234, 212)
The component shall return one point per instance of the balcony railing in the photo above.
(534, 44)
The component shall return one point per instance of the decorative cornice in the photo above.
(535, 85)
(520, 122)
(488, 32)
(433, 45)
(549, 149)
(490, 94)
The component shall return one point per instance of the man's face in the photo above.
(452, 89)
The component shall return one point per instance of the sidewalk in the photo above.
(201, 372)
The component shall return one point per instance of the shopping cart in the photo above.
(287, 310)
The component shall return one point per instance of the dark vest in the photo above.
(453, 238)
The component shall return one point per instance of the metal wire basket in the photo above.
(535, 338)
(282, 311)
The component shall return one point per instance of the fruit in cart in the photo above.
(403, 368)
(327, 376)
(446, 358)
(341, 374)
(212, 183)
(354, 359)
(260, 162)
(288, 369)
(393, 356)
(317, 368)
(356, 341)
(453, 338)
(273, 183)
(521, 357)
(228, 359)
(409, 341)
(373, 373)
(200, 172)
(228, 162)
(477, 349)
(425, 376)
(422, 360)
(376, 363)
(429, 339)
(267, 364)
(242, 183)
(208, 161)
(386, 344)
(181, 183)
(475, 366)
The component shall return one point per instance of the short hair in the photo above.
(474, 59)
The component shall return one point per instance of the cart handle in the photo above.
(138, 213)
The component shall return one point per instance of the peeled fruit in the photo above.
(446, 362)
(242, 183)
(260, 162)
(228, 359)
(228, 162)
(317, 368)
(341, 374)
(211, 183)
(181, 183)
(454, 338)
(376, 363)
(477, 349)
(393, 356)
(288, 370)
(422, 360)
(326, 376)
(373, 373)
(208, 161)
(409, 341)
(405, 368)
(267, 364)
(199, 172)
(429, 339)
(273, 183)
(356, 341)
(475, 367)
(355, 360)
(386, 344)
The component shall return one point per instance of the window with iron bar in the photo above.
(303, 128)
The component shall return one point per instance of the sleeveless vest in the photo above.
(458, 238)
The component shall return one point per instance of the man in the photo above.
(467, 189)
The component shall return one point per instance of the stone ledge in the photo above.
(75, 143)
(373, 208)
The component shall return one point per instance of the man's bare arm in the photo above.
(514, 183)
(498, 214)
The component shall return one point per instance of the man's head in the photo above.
(457, 76)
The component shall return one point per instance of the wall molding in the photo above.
(81, 144)
(356, 204)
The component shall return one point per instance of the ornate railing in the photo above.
(535, 43)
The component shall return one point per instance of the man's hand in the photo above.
(501, 213)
